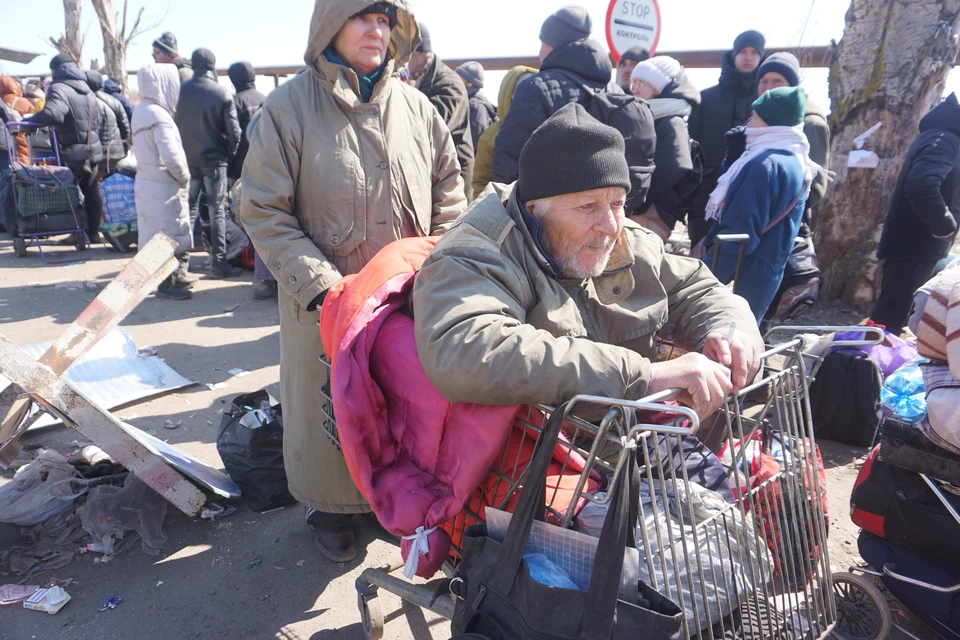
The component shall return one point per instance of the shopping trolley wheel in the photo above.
(79, 241)
(20, 247)
(371, 615)
(862, 611)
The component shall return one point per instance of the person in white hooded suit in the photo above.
(162, 173)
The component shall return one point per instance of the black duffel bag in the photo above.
(251, 448)
(498, 599)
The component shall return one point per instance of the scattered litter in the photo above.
(238, 372)
(147, 351)
(110, 603)
(110, 512)
(217, 511)
(172, 424)
(219, 385)
(209, 421)
(254, 564)
(91, 286)
(132, 416)
(300, 563)
(270, 510)
(219, 412)
(151, 432)
(50, 600)
(159, 582)
(14, 593)
(264, 597)
(193, 415)
(233, 307)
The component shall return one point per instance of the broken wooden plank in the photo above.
(142, 275)
(99, 426)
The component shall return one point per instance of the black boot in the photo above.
(169, 289)
(224, 270)
(182, 277)
(334, 535)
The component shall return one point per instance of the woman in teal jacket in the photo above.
(763, 195)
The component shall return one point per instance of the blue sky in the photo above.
(275, 32)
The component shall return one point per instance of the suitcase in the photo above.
(940, 611)
(897, 505)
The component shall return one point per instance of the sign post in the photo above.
(633, 23)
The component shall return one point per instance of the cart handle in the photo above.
(888, 569)
(878, 334)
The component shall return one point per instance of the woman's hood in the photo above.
(330, 15)
(160, 82)
(9, 86)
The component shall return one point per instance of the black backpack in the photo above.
(845, 398)
(633, 118)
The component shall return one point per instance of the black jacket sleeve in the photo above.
(54, 110)
(232, 128)
(673, 165)
(527, 112)
(922, 188)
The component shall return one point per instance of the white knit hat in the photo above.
(658, 71)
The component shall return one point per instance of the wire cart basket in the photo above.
(754, 565)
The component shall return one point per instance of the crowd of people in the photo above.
(556, 207)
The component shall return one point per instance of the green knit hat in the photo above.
(782, 107)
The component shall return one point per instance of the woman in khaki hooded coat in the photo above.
(343, 160)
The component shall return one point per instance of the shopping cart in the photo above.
(47, 199)
(756, 567)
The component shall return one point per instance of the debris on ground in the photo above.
(110, 512)
(50, 600)
(110, 603)
(14, 593)
(217, 511)
(254, 564)
(147, 351)
(239, 373)
(172, 424)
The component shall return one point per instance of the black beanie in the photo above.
(746, 39)
(385, 8)
(425, 44)
(636, 54)
(58, 60)
(168, 44)
(786, 64)
(572, 152)
(203, 60)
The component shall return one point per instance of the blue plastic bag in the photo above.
(904, 393)
(546, 572)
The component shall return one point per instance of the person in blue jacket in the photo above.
(763, 195)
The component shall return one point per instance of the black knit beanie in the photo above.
(168, 44)
(786, 64)
(572, 152)
(385, 8)
(636, 54)
(746, 39)
(58, 60)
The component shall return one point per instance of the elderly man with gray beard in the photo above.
(543, 290)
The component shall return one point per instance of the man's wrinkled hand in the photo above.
(739, 354)
(703, 383)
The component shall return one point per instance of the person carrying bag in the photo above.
(498, 600)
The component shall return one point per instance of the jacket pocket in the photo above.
(415, 186)
(333, 201)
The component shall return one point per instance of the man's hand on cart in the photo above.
(735, 351)
(703, 383)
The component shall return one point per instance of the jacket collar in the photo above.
(342, 82)
(614, 285)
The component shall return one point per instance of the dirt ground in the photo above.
(200, 585)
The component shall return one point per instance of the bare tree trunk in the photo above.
(890, 67)
(71, 41)
(116, 38)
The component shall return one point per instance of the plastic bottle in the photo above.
(904, 394)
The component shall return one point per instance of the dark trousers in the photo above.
(213, 182)
(88, 174)
(899, 280)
